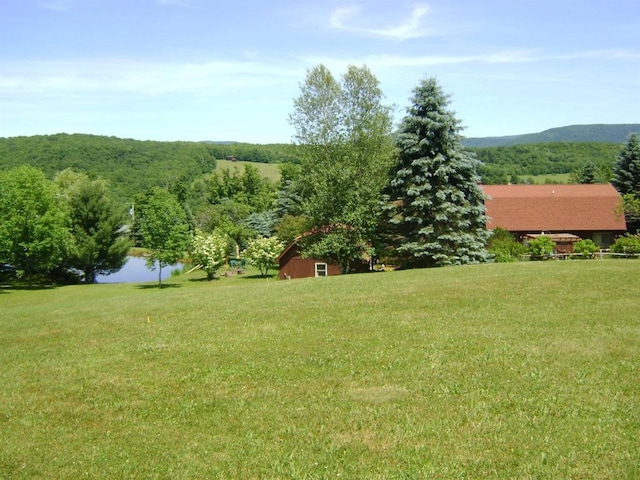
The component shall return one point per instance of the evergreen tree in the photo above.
(626, 172)
(98, 245)
(626, 179)
(435, 206)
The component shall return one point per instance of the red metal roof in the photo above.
(537, 208)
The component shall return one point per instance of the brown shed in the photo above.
(292, 265)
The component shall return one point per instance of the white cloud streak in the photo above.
(345, 18)
(58, 6)
(501, 57)
(218, 77)
(215, 77)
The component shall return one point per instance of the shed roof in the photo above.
(535, 208)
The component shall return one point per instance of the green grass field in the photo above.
(550, 178)
(526, 370)
(268, 170)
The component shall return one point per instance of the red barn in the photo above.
(588, 211)
(292, 265)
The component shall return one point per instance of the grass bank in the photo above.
(526, 370)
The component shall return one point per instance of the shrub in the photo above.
(209, 250)
(585, 248)
(263, 252)
(627, 244)
(540, 248)
(504, 246)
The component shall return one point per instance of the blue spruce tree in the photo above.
(626, 172)
(435, 207)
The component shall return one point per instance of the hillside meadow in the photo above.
(266, 170)
(526, 370)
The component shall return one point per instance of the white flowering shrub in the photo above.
(209, 250)
(263, 252)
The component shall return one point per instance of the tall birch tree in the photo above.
(343, 131)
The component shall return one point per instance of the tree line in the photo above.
(360, 188)
(133, 166)
(513, 164)
(71, 228)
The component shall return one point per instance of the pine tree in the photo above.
(98, 246)
(435, 206)
(626, 179)
(626, 172)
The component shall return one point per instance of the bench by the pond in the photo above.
(238, 264)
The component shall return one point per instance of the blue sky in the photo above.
(211, 70)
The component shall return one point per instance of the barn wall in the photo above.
(293, 265)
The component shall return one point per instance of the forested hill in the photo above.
(616, 133)
(130, 166)
(516, 162)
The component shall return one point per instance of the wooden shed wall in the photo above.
(293, 265)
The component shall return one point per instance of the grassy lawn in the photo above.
(524, 371)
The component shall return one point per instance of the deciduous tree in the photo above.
(34, 229)
(263, 252)
(343, 134)
(435, 206)
(209, 250)
(163, 228)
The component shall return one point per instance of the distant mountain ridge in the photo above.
(605, 133)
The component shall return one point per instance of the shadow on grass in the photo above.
(9, 287)
(156, 286)
(204, 280)
(258, 277)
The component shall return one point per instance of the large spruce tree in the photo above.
(435, 206)
(626, 179)
(626, 172)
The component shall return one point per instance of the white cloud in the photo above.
(180, 3)
(500, 57)
(58, 6)
(345, 18)
(214, 77)
(341, 15)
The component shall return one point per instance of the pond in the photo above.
(136, 270)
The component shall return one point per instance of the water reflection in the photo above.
(135, 270)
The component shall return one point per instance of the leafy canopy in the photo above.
(209, 250)
(34, 230)
(540, 247)
(263, 252)
(163, 228)
(343, 134)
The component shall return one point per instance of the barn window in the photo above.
(321, 269)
